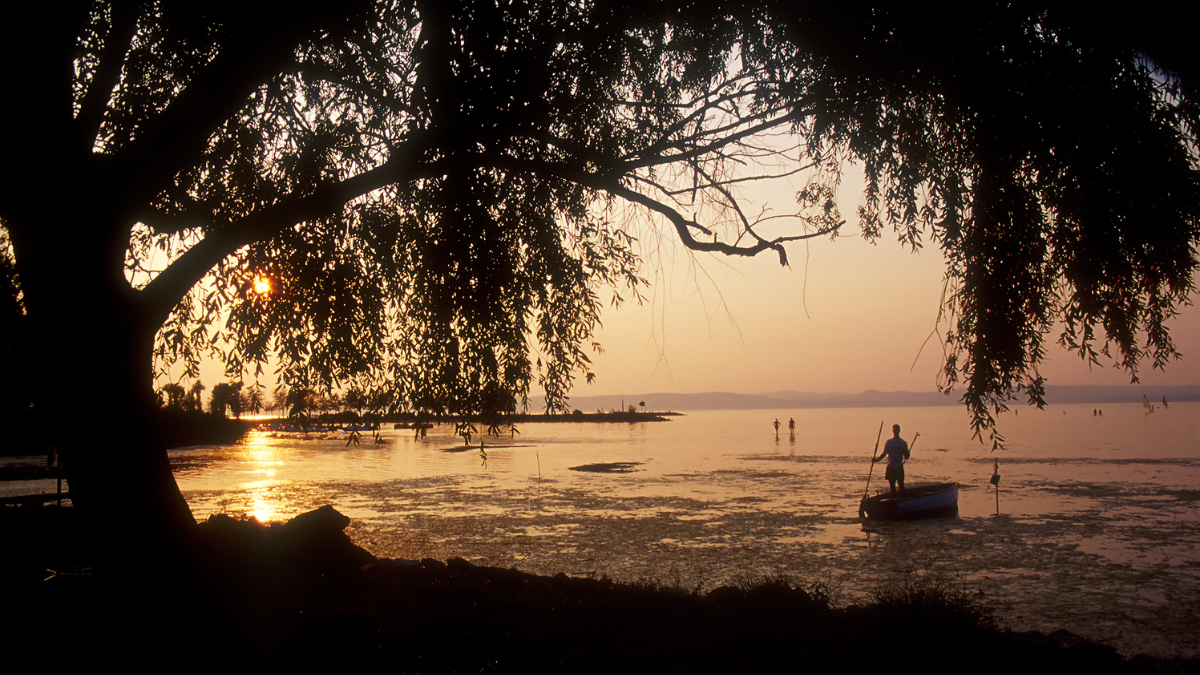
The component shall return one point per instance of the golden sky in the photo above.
(854, 316)
(846, 316)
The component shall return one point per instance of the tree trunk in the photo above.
(92, 343)
(116, 465)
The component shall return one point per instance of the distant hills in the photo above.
(1055, 394)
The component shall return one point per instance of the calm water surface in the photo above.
(1097, 529)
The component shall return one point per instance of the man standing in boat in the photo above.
(896, 450)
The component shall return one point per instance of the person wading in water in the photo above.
(896, 450)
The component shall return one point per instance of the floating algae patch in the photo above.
(1184, 495)
(608, 467)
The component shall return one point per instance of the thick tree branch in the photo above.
(684, 226)
(37, 43)
(258, 51)
(610, 183)
(165, 290)
(179, 133)
(111, 59)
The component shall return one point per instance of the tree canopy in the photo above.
(438, 194)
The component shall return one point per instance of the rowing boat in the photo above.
(915, 503)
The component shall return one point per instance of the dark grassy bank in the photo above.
(302, 596)
(27, 436)
(196, 428)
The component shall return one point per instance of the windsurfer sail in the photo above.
(1146, 403)
(1165, 402)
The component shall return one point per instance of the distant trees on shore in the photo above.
(235, 399)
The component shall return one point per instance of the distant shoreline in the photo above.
(597, 417)
(577, 417)
(783, 400)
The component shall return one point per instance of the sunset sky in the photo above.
(846, 316)
(750, 326)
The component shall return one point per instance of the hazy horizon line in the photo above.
(1055, 394)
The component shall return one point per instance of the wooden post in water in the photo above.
(995, 480)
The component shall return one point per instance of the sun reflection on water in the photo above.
(263, 505)
(263, 456)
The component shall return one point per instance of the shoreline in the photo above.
(302, 593)
(184, 429)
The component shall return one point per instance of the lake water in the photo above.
(1097, 529)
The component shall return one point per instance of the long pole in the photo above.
(873, 453)
(910, 445)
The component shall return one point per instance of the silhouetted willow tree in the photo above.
(437, 192)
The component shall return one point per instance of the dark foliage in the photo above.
(443, 196)
(1048, 156)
